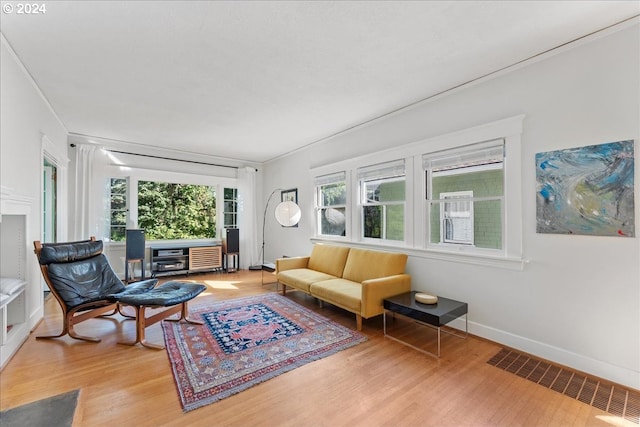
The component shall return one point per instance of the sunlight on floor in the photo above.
(221, 284)
(216, 284)
(614, 421)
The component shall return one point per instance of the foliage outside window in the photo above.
(382, 198)
(474, 176)
(168, 211)
(118, 209)
(331, 204)
(230, 208)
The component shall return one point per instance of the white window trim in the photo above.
(510, 257)
(395, 170)
(318, 207)
(127, 206)
(59, 158)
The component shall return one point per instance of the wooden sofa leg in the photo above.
(358, 322)
(284, 289)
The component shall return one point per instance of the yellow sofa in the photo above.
(357, 280)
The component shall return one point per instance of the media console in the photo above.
(171, 258)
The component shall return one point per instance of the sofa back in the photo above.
(328, 259)
(365, 264)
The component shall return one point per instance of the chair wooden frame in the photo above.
(142, 321)
(170, 298)
(70, 318)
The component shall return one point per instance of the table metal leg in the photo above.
(439, 332)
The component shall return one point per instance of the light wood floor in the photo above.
(377, 383)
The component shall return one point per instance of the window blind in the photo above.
(382, 170)
(330, 178)
(482, 153)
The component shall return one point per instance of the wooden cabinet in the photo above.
(186, 258)
(205, 258)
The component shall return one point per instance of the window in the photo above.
(463, 205)
(331, 204)
(168, 211)
(382, 200)
(118, 209)
(230, 208)
(465, 196)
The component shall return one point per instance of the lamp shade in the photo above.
(288, 214)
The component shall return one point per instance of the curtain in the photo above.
(247, 217)
(91, 202)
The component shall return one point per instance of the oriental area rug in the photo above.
(244, 342)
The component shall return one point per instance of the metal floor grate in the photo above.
(611, 398)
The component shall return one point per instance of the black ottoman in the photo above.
(172, 295)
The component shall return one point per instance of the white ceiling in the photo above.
(254, 80)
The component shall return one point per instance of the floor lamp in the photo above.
(287, 214)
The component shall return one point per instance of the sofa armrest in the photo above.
(283, 264)
(376, 290)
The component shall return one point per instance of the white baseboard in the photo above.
(598, 368)
(35, 317)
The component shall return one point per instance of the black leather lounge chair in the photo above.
(82, 281)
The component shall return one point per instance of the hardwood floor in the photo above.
(377, 383)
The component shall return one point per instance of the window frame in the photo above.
(478, 156)
(139, 173)
(320, 182)
(111, 210)
(234, 202)
(509, 257)
(387, 172)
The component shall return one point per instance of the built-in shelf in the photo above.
(17, 289)
(13, 316)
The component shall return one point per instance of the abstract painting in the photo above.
(586, 190)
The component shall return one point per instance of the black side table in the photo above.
(432, 315)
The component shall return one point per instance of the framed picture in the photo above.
(289, 195)
(586, 190)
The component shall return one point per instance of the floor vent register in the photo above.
(611, 398)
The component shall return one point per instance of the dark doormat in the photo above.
(53, 411)
(612, 398)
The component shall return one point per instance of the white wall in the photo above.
(577, 302)
(25, 118)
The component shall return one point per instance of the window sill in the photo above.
(486, 260)
(214, 242)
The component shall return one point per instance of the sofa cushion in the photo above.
(328, 259)
(302, 278)
(363, 264)
(344, 293)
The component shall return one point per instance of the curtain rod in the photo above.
(166, 158)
